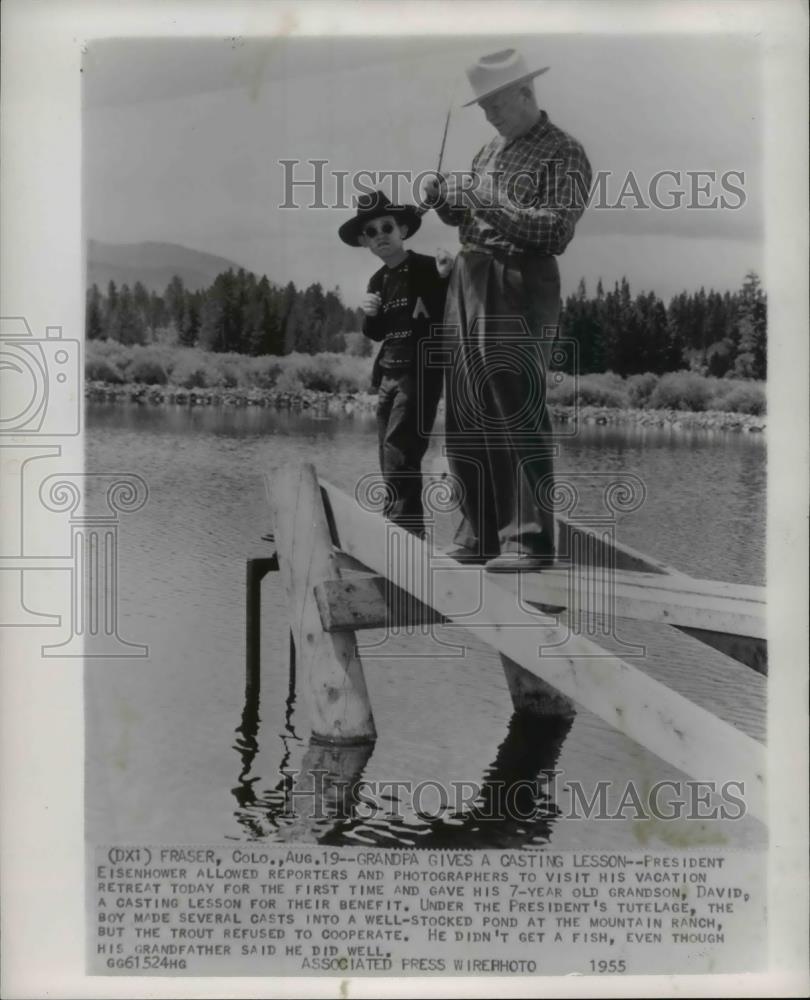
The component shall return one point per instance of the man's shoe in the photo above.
(519, 562)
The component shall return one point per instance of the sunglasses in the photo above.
(371, 231)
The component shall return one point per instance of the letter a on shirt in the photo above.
(420, 309)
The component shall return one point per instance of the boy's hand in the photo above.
(371, 304)
(444, 262)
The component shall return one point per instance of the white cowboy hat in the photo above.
(497, 72)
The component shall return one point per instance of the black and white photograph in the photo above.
(405, 477)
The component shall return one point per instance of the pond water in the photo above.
(176, 754)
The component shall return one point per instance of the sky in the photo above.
(183, 140)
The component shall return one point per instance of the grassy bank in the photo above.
(161, 372)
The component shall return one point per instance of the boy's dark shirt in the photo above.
(412, 287)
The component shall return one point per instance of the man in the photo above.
(516, 213)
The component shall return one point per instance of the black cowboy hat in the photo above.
(373, 206)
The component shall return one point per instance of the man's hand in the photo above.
(455, 191)
(430, 190)
(471, 191)
(371, 304)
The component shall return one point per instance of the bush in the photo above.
(608, 380)
(328, 372)
(563, 394)
(192, 373)
(744, 397)
(312, 371)
(262, 373)
(614, 399)
(289, 382)
(603, 389)
(228, 377)
(147, 370)
(640, 388)
(358, 345)
(100, 370)
(109, 351)
(194, 368)
(682, 391)
(137, 356)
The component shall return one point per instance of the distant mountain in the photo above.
(153, 264)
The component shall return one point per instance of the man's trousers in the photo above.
(501, 318)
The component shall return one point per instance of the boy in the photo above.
(403, 299)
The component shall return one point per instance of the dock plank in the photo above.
(649, 712)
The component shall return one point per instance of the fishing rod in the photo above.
(444, 139)
(422, 208)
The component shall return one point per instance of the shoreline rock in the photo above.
(348, 402)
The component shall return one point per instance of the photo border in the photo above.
(43, 258)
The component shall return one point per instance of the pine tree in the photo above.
(127, 325)
(140, 302)
(311, 331)
(192, 320)
(333, 322)
(289, 318)
(157, 313)
(674, 356)
(110, 308)
(580, 324)
(94, 315)
(751, 360)
(175, 299)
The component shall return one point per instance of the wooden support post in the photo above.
(325, 790)
(333, 684)
(256, 570)
(531, 695)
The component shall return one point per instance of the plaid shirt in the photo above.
(543, 178)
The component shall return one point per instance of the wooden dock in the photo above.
(552, 629)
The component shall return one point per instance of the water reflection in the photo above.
(327, 800)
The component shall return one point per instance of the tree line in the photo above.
(705, 331)
(717, 334)
(238, 312)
